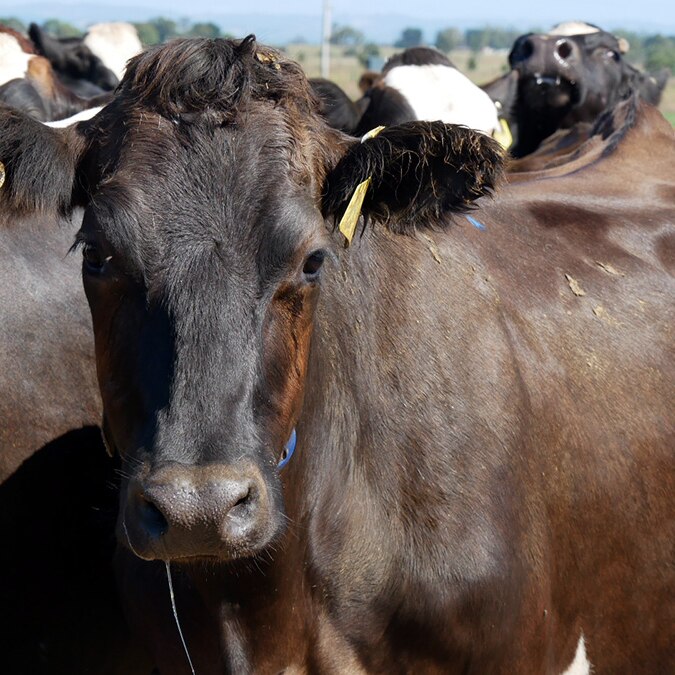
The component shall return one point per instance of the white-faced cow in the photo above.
(479, 404)
(565, 77)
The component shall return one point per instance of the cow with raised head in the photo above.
(446, 448)
(570, 74)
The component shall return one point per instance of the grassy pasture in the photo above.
(346, 69)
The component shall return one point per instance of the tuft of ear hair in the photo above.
(421, 172)
(39, 165)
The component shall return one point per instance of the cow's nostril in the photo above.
(242, 506)
(523, 51)
(152, 518)
(564, 49)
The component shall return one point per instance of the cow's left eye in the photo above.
(93, 260)
(611, 54)
(313, 264)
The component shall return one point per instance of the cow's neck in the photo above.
(375, 465)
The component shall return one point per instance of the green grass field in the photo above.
(346, 69)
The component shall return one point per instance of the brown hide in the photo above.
(483, 402)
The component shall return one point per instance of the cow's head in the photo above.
(211, 189)
(566, 77)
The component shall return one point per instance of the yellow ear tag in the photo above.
(371, 134)
(2, 174)
(503, 136)
(351, 216)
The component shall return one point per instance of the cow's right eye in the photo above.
(93, 260)
(313, 265)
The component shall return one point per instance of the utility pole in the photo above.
(325, 39)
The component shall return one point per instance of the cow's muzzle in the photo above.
(179, 511)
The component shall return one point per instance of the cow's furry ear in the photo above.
(38, 164)
(420, 173)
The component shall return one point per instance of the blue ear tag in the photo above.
(476, 223)
(288, 450)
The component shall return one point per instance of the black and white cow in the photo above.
(28, 82)
(93, 63)
(423, 84)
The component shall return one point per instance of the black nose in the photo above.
(543, 53)
(184, 511)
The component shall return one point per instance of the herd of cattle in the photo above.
(441, 445)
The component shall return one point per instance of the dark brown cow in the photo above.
(60, 611)
(483, 476)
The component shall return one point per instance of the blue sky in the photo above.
(376, 16)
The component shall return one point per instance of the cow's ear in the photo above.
(417, 174)
(37, 164)
(46, 45)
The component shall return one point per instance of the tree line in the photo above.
(152, 32)
(651, 51)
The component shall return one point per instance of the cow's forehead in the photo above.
(174, 196)
(199, 111)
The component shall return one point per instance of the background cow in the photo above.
(419, 83)
(335, 106)
(28, 82)
(482, 405)
(76, 65)
(570, 74)
(93, 63)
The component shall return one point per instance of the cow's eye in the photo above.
(611, 54)
(93, 260)
(313, 264)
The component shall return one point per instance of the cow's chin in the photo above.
(542, 91)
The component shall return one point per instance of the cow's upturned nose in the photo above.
(543, 53)
(184, 511)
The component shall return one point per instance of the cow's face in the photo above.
(207, 185)
(575, 77)
(203, 247)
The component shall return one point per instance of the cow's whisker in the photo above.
(175, 614)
